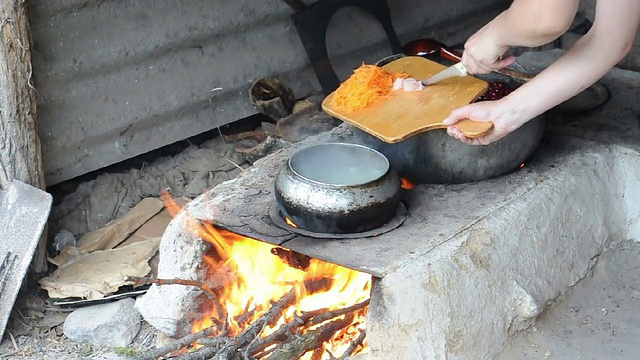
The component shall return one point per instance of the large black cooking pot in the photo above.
(435, 157)
(337, 188)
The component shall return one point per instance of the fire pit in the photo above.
(470, 265)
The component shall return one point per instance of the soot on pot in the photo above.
(337, 188)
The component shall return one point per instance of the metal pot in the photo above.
(436, 158)
(337, 188)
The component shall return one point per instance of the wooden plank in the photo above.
(20, 156)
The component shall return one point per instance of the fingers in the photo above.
(457, 115)
(475, 66)
(503, 62)
(493, 136)
(466, 112)
(484, 66)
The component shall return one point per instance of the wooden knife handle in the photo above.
(515, 74)
(474, 129)
(450, 54)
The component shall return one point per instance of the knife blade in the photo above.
(452, 71)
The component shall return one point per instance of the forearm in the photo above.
(533, 22)
(608, 41)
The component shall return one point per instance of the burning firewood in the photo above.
(299, 345)
(138, 281)
(354, 345)
(308, 331)
(274, 302)
(307, 319)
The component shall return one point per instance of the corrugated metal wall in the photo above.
(118, 78)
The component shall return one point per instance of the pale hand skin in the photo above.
(534, 23)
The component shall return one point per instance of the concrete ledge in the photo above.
(474, 263)
(465, 297)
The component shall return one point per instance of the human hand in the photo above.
(483, 54)
(505, 118)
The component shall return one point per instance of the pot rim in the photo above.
(377, 153)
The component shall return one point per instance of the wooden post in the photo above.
(20, 156)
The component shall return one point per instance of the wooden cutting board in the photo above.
(407, 113)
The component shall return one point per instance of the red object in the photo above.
(426, 46)
(497, 90)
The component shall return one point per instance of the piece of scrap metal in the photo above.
(24, 211)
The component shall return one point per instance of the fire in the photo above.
(406, 184)
(248, 275)
(521, 166)
(289, 222)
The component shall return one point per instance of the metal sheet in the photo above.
(117, 79)
(24, 211)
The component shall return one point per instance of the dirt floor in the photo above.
(35, 332)
(598, 319)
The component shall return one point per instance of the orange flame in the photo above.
(172, 206)
(406, 184)
(290, 222)
(247, 277)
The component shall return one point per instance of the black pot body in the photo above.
(325, 208)
(436, 158)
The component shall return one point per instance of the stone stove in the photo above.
(472, 263)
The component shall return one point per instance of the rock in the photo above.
(252, 151)
(268, 128)
(272, 98)
(109, 356)
(204, 160)
(111, 324)
(198, 185)
(63, 238)
(306, 123)
(301, 105)
(95, 203)
(175, 181)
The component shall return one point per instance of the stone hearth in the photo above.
(473, 263)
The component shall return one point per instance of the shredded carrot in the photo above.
(368, 85)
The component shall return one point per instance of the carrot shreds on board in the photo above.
(368, 85)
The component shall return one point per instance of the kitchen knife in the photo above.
(452, 71)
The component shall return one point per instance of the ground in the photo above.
(597, 319)
(35, 332)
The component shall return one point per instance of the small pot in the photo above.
(338, 188)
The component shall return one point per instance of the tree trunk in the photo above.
(20, 156)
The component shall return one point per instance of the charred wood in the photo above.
(139, 281)
(354, 345)
(299, 345)
(256, 328)
(179, 344)
(211, 295)
(308, 331)
(294, 259)
(305, 319)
